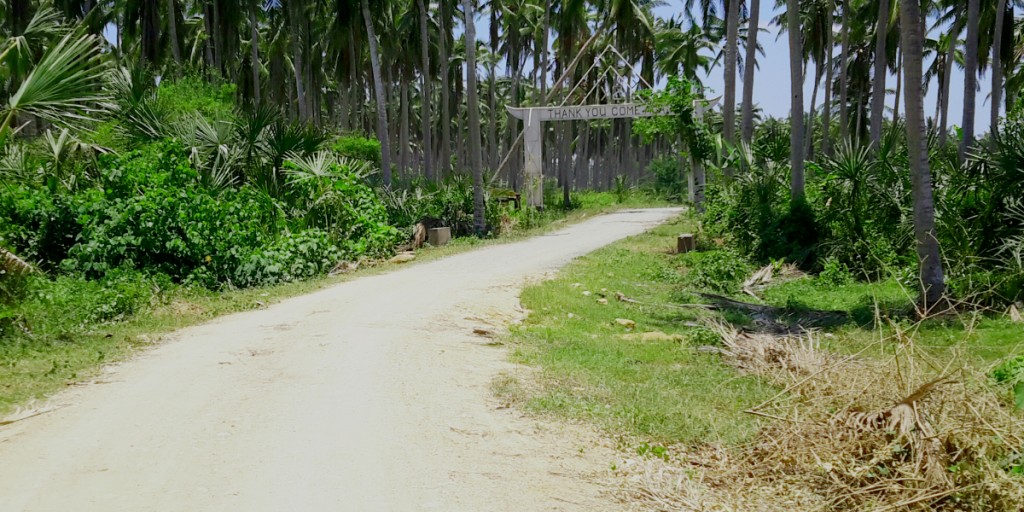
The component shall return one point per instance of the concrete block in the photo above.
(686, 243)
(439, 236)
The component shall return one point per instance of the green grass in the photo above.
(53, 346)
(982, 339)
(662, 391)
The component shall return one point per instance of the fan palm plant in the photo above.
(65, 87)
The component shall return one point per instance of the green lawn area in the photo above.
(982, 339)
(662, 391)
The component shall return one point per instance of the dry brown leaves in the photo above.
(906, 432)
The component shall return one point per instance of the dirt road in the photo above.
(369, 395)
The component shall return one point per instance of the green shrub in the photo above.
(154, 215)
(668, 179)
(361, 148)
(39, 225)
(289, 258)
(720, 271)
(333, 195)
(834, 273)
(194, 94)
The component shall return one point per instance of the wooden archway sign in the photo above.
(533, 140)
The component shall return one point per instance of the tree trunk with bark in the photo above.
(378, 86)
(826, 114)
(747, 121)
(445, 152)
(796, 112)
(473, 108)
(254, 43)
(297, 62)
(997, 65)
(172, 31)
(732, 24)
(427, 100)
(844, 90)
(970, 77)
(931, 276)
(947, 74)
(878, 84)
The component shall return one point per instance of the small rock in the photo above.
(403, 257)
(480, 331)
(625, 322)
(1014, 314)
(586, 294)
(602, 301)
(570, 315)
(577, 285)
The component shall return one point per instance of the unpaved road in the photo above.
(369, 395)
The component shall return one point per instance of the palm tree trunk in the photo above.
(207, 44)
(427, 101)
(844, 59)
(446, 114)
(899, 86)
(947, 75)
(378, 87)
(403, 130)
(796, 112)
(473, 111)
(881, 63)
(970, 77)
(931, 273)
(297, 62)
(826, 114)
(172, 31)
(997, 65)
(544, 52)
(254, 42)
(747, 121)
(218, 43)
(809, 143)
(732, 23)
(492, 99)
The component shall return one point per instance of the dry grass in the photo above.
(906, 432)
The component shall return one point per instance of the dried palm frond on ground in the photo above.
(12, 264)
(851, 433)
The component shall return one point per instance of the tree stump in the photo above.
(686, 243)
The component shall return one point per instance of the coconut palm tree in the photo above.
(881, 65)
(997, 65)
(378, 88)
(932, 281)
(970, 77)
(473, 110)
(747, 108)
(425, 85)
(796, 111)
(732, 22)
